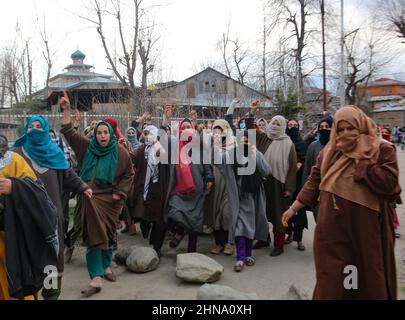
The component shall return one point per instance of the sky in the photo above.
(189, 30)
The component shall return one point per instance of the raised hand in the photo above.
(168, 111)
(65, 102)
(255, 105)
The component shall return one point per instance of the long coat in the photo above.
(188, 210)
(100, 213)
(152, 209)
(247, 211)
(348, 234)
(57, 182)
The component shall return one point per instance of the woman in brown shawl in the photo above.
(355, 180)
(107, 168)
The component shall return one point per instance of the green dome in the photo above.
(78, 55)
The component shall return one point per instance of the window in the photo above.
(191, 90)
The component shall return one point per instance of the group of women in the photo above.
(348, 177)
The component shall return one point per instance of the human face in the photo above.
(53, 136)
(217, 132)
(324, 126)
(262, 126)
(35, 125)
(345, 129)
(293, 124)
(131, 133)
(186, 126)
(275, 122)
(103, 135)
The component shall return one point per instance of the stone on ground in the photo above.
(198, 268)
(142, 260)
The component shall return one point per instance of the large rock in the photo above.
(215, 292)
(198, 268)
(142, 260)
(295, 294)
(122, 255)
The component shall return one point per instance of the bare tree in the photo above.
(223, 47)
(146, 44)
(365, 57)
(296, 14)
(270, 21)
(392, 15)
(240, 56)
(46, 52)
(128, 58)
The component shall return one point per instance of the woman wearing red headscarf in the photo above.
(188, 185)
(355, 180)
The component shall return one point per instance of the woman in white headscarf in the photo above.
(279, 151)
(150, 189)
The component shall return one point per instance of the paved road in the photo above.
(270, 278)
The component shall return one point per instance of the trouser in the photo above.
(157, 236)
(221, 237)
(192, 239)
(244, 248)
(97, 261)
(279, 239)
(296, 228)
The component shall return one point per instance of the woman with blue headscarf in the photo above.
(107, 167)
(49, 164)
(132, 138)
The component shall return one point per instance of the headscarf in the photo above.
(114, 124)
(104, 160)
(133, 140)
(262, 120)
(300, 145)
(184, 179)
(340, 155)
(278, 154)
(324, 135)
(39, 147)
(152, 171)
(229, 140)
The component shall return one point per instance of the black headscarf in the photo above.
(300, 145)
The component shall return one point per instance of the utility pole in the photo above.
(342, 57)
(325, 102)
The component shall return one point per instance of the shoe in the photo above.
(261, 244)
(90, 290)
(110, 277)
(229, 249)
(69, 254)
(276, 252)
(288, 240)
(397, 236)
(239, 266)
(301, 247)
(174, 243)
(217, 249)
(250, 262)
